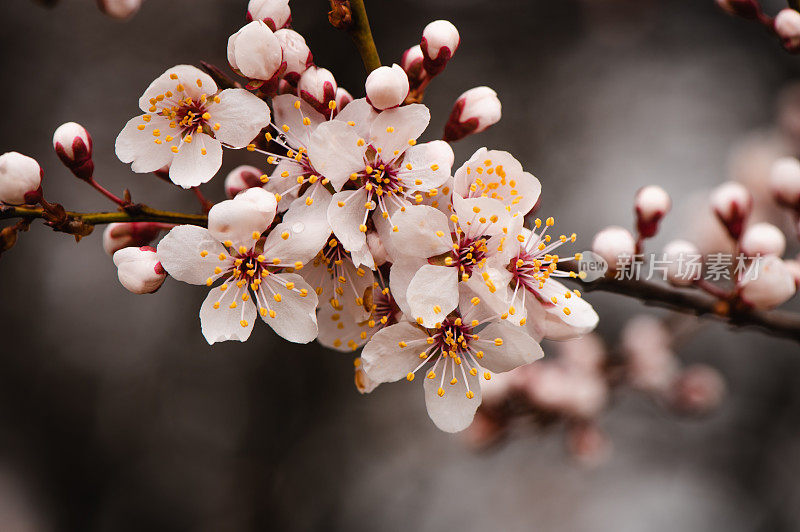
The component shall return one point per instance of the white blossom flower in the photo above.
(318, 87)
(129, 234)
(763, 239)
(679, 253)
(258, 273)
(767, 283)
(375, 165)
(256, 52)
(787, 26)
(20, 179)
(732, 203)
(651, 204)
(185, 124)
(386, 87)
(342, 98)
(274, 13)
(241, 178)
(440, 40)
(296, 54)
(612, 244)
(473, 112)
(785, 182)
(139, 270)
(73, 145)
(120, 9)
(453, 356)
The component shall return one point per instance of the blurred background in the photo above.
(116, 415)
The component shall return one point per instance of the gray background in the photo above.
(116, 415)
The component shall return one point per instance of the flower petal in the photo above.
(286, 114)
(430, 165)
(346, 215)
(433, 294)
(422, 231)
(394, 128)
(295, 317)
(516, 348)
(481, 216)
(192, 80)
(453, 411)
(190, 254)
(335, 153)
(384, 359)
(361, 114)
(226, 316)
(403, 270)
(339, 330)
(240, 115)
(303, 231)
(196, 162)
(574, 311)
(139, 146)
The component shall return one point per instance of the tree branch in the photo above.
(351, 16)
(139, 213)
(784, 324)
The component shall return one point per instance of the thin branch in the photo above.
(351, 16)
(784, 324)
(139, 213)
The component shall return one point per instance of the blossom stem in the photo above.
(778, 323)
(356, 23)
(140, 213)
(105, 192)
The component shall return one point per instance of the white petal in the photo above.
(286, 114)
(430, 165)
(363, 257)
(187, 77)
(481, 216)
(384, 359)
(196, 162)
(403, 270)
(295, 314)
(517, 347)
(339, 330)
(433, 293)
(263, 200)
(224, 322)
(509, 183)
(241, 116)
(303, 231)
(190, 254)
(361, 114)
(581, 318)
(334, 152)
(239, 222)
(140, 148)
(422, 231)
(346, 215)
(453, 411)
(392, 129)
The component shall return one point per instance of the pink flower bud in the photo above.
(241, 178)
(699, 389)
(748, 9)
(73, 145)
(787, 26)
(412, 64)
(794, 268)
(680, 254)
(650, 204)
(440, 40)
(274, 13)
(763, 239)
(255, 52)
(342, 99)
(767, 283)
(317, 86)
(295, 53)
(473, 112)
(645, 333)
(785, 182)
(139, 269)
(20, 179)
(612, 243)
(126, 234)
(120, 9)
(386, 87)
(732, 203)
(264, 201)
(652, 370)
(236, 221)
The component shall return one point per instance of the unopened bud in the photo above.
(681, 255)
(785, 182)
(264, 201)
(473, 112)
(763, 239)
(612, 244)
(748, 9)
(241, 178)
(317, 86)
(129, 234)
(73, 145)
(274, 13)
(732, 203)
(767, 283)
(236, 221)
(139, 269)
(440, 40)
(296, 54)
(255, 51)
(412, 64)
(651, 204)
(787, 26)
(386, 87)
(342, 99)
(698, 389)
(794, 268)
(119, 9)
(20, 179)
